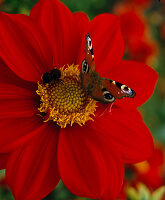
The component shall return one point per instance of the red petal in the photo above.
(23, 47)
(17, 131)
(9, 77)
(139, 77)
(115, 174)
(17, 96)
(17, 102)
(32, 170)
(133, 25)
(61, 29)
(82, 22)
(108, 43)
(127, 132)
(142, 50)
(87, 167)
(3, 160)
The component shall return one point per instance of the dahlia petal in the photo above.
(115, 174)
(9, 77)
(142, 50)
(127, 132)
(62, 29)
(133, 25)
(107, 40)
(3, 160)
(82, 22)
(16, 131)
(24, 47)
(32, 170)
(138, 76)
(86, 166)
(17, 102)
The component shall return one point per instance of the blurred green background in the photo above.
(154, 110)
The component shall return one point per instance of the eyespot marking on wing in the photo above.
(108, 96)
(89, 44)
(127, 90)
(124, 88)
(89, 41)
(84, 67)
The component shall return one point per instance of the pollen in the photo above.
(63, 100)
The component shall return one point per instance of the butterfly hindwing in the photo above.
(102, 94)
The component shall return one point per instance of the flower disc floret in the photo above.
(64, 101)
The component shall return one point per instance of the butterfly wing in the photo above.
(89, 56)
(108, 91)
(88, 65)
(99, 93)
(118, 90)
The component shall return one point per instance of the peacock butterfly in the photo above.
(101, 89)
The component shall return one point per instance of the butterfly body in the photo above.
(99, 88)
(90, 81)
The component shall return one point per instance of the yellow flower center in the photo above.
(64, 101)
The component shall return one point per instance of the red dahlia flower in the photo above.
(137, 34)
(88, 158)
(151, 172)
(140, 3)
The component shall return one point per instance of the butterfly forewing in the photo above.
(89, 56)
(118, 90)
